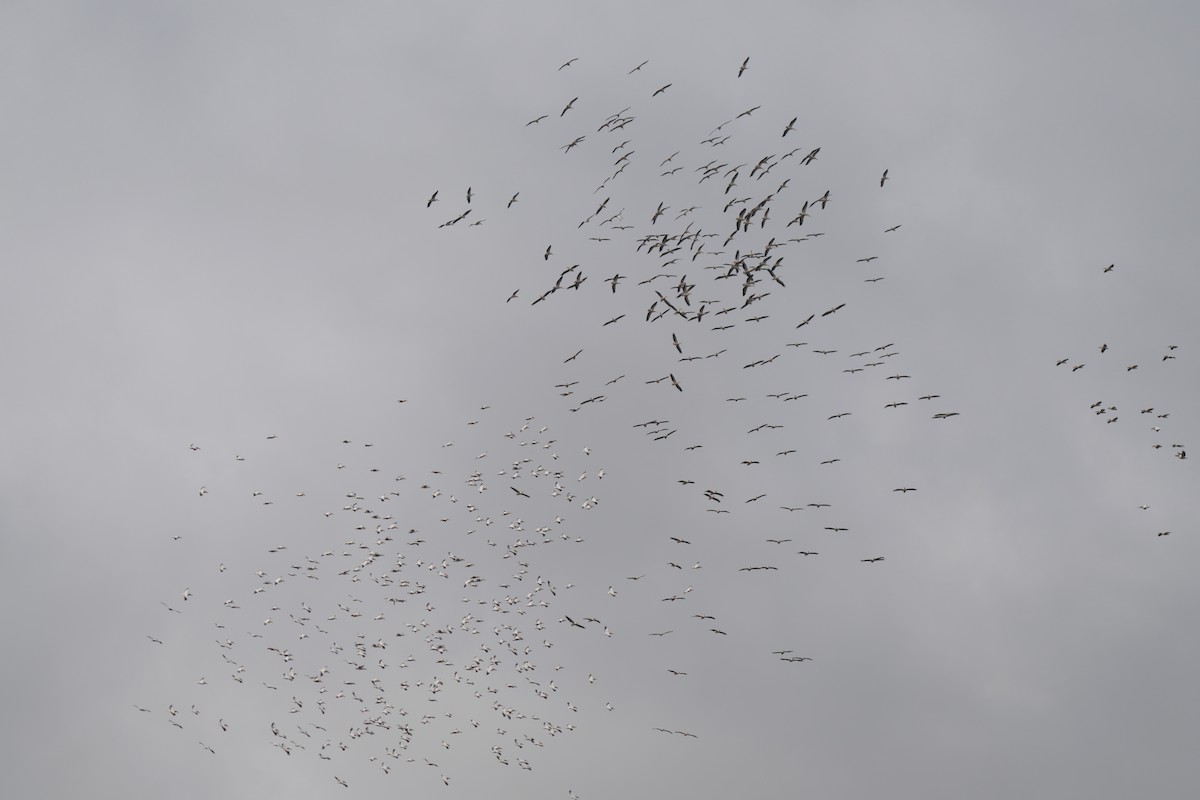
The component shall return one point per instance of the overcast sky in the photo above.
(222, 272)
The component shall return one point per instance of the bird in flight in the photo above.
(742, 68)
(790, 126)
(660, 90)
(883, 178)
(569, 63)
(568, 106)
(432, 200)
(637, 68)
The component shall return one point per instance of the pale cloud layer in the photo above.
(216, 231)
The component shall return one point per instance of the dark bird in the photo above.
(572, 358)
(871, 560)
(883, 179)
(569, 63)
(791, 125)
(742, 68)
(432, 200)
(512, 200)
(638, 67)
(568, 107)
(660, 90)
(535, 121)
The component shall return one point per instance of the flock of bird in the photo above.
(1125, 379)
(426, 617)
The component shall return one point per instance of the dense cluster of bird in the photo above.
(438, 587)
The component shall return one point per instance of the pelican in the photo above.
(742, 68)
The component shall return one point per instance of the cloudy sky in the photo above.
(222, 273)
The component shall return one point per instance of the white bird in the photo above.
(187, 593)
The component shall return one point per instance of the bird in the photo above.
(512, 200)
(568, 106)
(742, 68)
(569, 63)
(660, 90)
(790, 126)
(883, 178)
(535, 121)
(637, 68)
(871, 560)
(432, 200)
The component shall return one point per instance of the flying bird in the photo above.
(742, 68)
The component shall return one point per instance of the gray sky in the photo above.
(216, 232)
